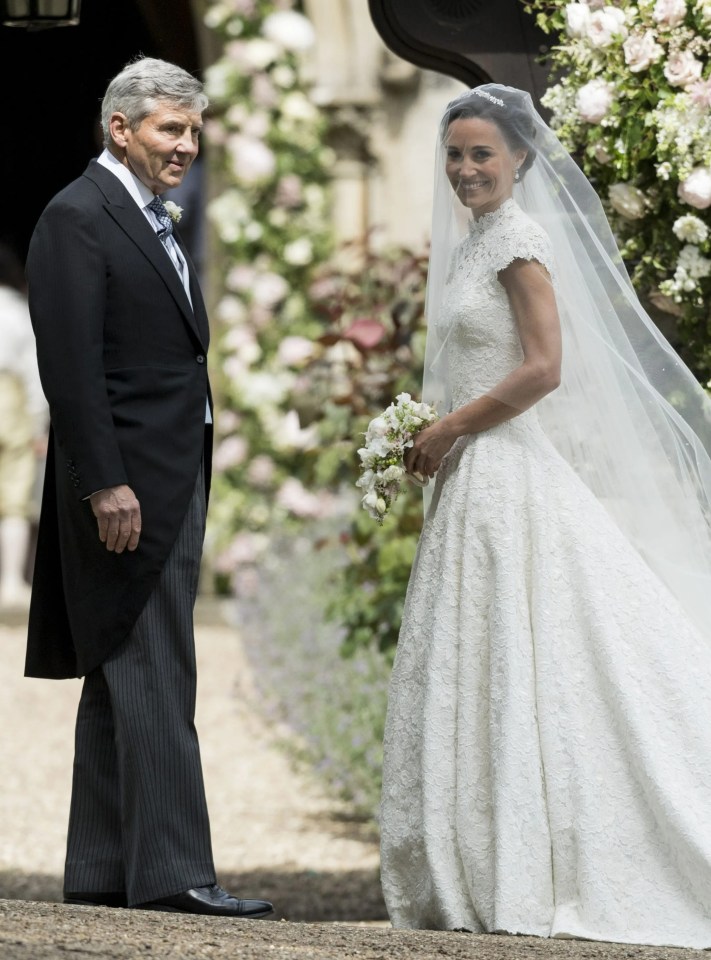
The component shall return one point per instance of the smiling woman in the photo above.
(480, 164)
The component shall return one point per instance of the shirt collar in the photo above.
(140, 193)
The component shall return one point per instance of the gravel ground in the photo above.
(30, 931)
(275, 835)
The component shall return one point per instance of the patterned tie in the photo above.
(164, 218)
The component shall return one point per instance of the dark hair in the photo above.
(11, 272)
(508, 110)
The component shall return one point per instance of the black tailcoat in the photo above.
(123, 361)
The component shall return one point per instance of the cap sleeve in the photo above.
(522, 239)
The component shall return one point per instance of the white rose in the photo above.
(690, 229)
(218, 80)
(693, 263)
(601, 154)
(627, 200)
(366, 479)
(577, 19)
(254, 231)
(294, 497)
(696, 189)
(641, 51)
(299, 252)
(260, 53)
(669, 13)
(605, 25)
(283, 76)
(381, 506)
(594, 99)
(252, 160)
(291, 30)
(296, 106)
(293, 351)
(230, 453)
(392, 473)
(269, 289)
(230, 310)
(370, 500)
(683, 68)
(378, 427)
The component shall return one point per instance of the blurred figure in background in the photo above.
(23, 430)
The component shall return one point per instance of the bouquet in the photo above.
(386, 440)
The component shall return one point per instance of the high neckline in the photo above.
(479, 225)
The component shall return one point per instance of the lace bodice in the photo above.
(482, 340)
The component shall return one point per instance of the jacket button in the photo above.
(200, 358)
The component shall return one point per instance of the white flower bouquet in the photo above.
(386, 440)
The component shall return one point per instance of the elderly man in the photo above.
(122, 337)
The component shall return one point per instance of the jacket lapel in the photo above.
(126, 213)
(199, 310)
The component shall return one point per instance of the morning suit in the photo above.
(122, 357)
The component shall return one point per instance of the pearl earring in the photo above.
(517, 176)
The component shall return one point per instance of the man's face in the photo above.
(161, 149)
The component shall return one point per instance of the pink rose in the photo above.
(670, 13)
(230, 453)
(605, 25)
(696, 189)
(627, 200)
(682, 69)
(641, 51)
(701, 93)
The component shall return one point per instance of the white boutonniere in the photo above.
(175, 212)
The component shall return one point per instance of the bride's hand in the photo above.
(428, 449)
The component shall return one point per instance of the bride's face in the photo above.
(480, 165)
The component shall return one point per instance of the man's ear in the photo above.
(118, 128)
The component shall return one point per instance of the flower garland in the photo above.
(271, 221)
(632, 100)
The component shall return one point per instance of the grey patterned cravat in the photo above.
(164, 218)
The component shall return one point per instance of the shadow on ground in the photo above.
(304, 896)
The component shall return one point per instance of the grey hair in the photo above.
(142, 84)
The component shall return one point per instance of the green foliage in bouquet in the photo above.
(631, 99)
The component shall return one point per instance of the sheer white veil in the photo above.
(629, 416)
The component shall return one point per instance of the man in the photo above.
(122, 336)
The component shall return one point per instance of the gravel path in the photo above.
(275, 834)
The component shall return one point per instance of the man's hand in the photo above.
(118, 515)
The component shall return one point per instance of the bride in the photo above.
(548, 740)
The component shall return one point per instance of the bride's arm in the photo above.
(532, 300)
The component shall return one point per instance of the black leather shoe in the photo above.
(96, 899)
(211, 901)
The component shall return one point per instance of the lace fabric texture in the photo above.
(548, 741)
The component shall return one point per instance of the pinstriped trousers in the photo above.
(138, 821)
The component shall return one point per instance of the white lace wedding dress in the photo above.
(548, 741)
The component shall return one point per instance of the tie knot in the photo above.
(163, 217)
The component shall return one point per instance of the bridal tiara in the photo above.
(488, 96)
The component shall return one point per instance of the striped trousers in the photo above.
(138, 821)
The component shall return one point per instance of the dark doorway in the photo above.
(52, 83)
